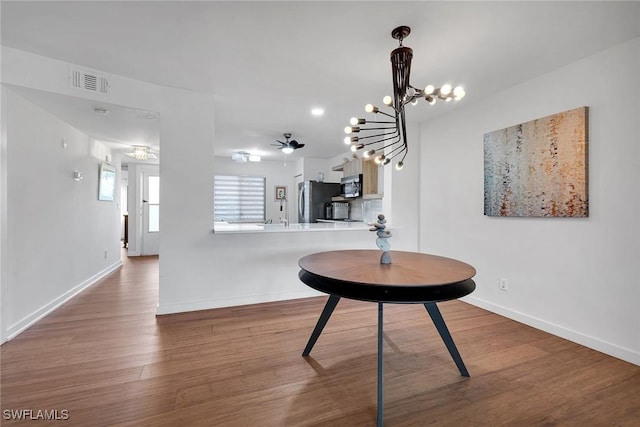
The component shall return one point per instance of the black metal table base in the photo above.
(436, 317)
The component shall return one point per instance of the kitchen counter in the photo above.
(339, 221)
(227, 228)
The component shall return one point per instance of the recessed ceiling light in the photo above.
(317, 111)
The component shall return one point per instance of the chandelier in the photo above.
(141, 152)
(390, 138)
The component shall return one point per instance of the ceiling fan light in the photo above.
(287, 150)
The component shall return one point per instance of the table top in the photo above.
(411, 277)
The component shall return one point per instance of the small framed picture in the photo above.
(281, 192)
(107, 182)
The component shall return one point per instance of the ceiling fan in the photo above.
(288, 146)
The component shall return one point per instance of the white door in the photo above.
(150, 213)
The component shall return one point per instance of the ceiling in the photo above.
(269, 63)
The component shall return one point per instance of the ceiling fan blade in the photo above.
(296, 146)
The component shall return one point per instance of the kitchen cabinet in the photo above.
(369, 170)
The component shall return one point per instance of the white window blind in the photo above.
(239, 198)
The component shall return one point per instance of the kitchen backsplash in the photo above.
(366, 210)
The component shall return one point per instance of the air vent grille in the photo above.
(89, 81)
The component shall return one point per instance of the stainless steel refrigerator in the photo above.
(312, 195)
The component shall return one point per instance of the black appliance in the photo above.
(351, 186)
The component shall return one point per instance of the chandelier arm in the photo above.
(381, 128)
(381, 140)
(386, 114)
(389, 145)
(403, 148)
(379, 134)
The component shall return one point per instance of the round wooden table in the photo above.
(411, 278)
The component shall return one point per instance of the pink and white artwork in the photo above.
(538, 168)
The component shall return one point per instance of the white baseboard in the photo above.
(27, 321)
(611, 349)
(230, 302)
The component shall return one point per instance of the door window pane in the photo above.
(154, 218)
(154, 190)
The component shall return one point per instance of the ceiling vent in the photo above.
(89, 81)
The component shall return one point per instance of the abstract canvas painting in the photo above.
(538, 168)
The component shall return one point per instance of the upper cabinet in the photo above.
(369, 170)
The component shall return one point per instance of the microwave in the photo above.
(351, 186)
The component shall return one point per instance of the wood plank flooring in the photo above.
(108, 360)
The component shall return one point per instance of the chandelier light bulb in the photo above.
(369, 153)
(354, 148)
(445, 90)
(399, 166)
(430, 99)
(347, 140)
(387, 100)
(348, 130)
(370, 108)
(459, 92)
(414, 101)
(448, 99)
(379, 159)
(386, 161)
(429, 90)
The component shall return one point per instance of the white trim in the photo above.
(626, 354)
(229, 302)
(27, 321)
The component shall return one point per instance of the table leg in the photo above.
(438, 321)
(380, 366)
(322, 321)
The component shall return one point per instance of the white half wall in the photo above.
(576, 278)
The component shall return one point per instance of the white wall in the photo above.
(61, 237)
(577, 278)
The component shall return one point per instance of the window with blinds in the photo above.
(239, 198)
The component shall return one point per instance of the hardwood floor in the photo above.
(106, 359)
